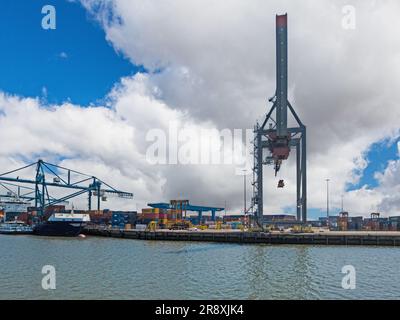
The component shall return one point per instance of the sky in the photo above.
(89, 94)
(73, 63)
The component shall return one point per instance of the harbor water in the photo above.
(107, 268)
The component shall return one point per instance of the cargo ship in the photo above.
(62, 225)
(15, 227)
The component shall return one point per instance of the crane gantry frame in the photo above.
(62, 178)
(278, 138)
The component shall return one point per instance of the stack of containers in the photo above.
(100, 217)
(150, 214)
(171, 213)
(163, 216)
(117, 221)
(120, 219)
(23, 217)
(394, 223)
(96, 217)
(371, 224)
(355, 223)
(384, 224)
(236, 224)
(210, 224)
(194, 220)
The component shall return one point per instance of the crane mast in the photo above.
(277, 138)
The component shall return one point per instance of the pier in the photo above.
(366, 238)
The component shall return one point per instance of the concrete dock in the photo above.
(371, 238)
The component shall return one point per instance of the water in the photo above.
(106, 268)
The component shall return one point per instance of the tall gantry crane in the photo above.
(276, 137)
(49, 175)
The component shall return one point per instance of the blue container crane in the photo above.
(188, 207)
(77, 183)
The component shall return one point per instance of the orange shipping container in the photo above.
(150, 210)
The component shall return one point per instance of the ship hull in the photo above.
(15, 228)
(15, 232)
(58, 229)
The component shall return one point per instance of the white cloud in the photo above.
(389, 186)
(110, 143)
(218, 64)
(89, 136)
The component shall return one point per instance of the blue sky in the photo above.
(378, 156)
(72, 62)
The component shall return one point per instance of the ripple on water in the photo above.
(105, 268)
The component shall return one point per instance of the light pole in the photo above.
(244, 191)
(342, 202)
(327, 203)
(225, 209)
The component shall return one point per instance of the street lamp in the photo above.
(342, 202)
(327, 203)
(225, 209)
(244, 190)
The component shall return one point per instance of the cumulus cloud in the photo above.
(389, 186)
(217, 63)
(212, 65)
(31, 130)
(110, 142)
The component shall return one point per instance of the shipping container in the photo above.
(141, 226)
(147, 221)
(54, 208)
(123, 217)
(153, 210)
(150, 216)
(95, 212)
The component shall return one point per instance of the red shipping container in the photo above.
(150, 215)
(23, 217)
